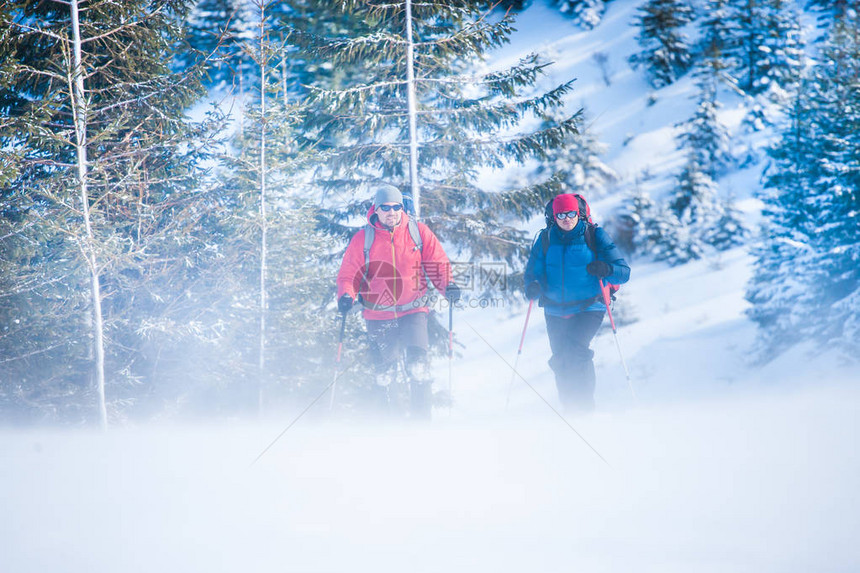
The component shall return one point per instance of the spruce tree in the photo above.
(466, 120)
(222, 35)
(717, 31)
(693, 201)
(218, 33)
(664, 237)
(586, 13)
(807, 278)
(766, 50)
(779, 302)
(579, 165)
(104, 231)
(776, 288)
(643, 212)
(835, 9)
(728, 230)
(785, 49)
(666, 53)
(835, 203)
(659, 233)
(274, 342)
(704, 136)
(510, 4)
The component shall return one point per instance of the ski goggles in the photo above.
(567, 215)
(387, 208)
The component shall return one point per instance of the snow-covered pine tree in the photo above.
(777, 284)
(777, 294)
(749, 16)
(703, 216)
(717, 31)
(666, 53)
(663, 236)
(510, 4)
(217, 33)
(578, 165)
(643, 213)
(835, 8)
(728, 229)
(834, 204)
(658, 233)
(103, 224)
(273, 342)
(704, 137)
(785, 49)
(466, 119)
(694, 199)
(767, 49)
(694, 204)
(807, 275)
(586, 13)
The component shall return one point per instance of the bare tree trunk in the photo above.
(413, 124)
(284, 78)
(79, 109)
(263, 221)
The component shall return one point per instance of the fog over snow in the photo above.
(717, 465)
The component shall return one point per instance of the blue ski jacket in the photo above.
(566, 287)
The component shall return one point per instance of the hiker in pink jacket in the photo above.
(389, 267)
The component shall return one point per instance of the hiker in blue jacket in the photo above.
(564, 269)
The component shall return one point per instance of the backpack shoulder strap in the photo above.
(590, 237)
(591, 241)
(544, 240)
(369, 235)
(412, 226)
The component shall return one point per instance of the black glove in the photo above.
(452, 292)
(598, 269)
(344, 304)
(533, 290)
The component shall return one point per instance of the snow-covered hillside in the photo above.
(718, 465)
(692, 336)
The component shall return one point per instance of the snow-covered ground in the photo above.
(744, 485)
(718, 465)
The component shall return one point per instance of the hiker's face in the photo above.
(390, 217)
(568, 222)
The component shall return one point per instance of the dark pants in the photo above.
(569, 339)
(388, 340)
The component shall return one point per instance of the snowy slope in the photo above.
(634, 120)
(719, 465)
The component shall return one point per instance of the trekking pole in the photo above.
(519, 351)
(337, 360)
(604, 290)
(450, 350)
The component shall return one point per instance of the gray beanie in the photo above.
(386, 193)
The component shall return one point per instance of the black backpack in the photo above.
(590, 231)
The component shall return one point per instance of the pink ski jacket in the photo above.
(394, 283)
